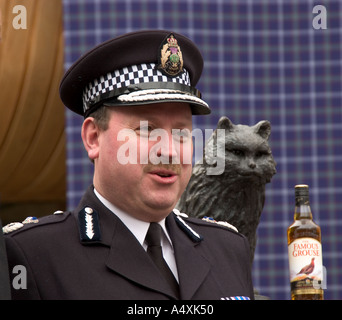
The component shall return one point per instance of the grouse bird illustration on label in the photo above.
(309, 268)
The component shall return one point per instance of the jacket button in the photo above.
(88, 210)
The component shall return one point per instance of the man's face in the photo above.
(137, 138)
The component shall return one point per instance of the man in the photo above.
(5, 293)
(124, 240)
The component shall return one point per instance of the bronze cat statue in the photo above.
(237, 195)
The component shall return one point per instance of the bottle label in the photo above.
(306, 267)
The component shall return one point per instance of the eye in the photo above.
(237, 152)
(144, 131)
(181, 135)
(260, 154)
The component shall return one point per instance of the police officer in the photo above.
(4, 278)
(125, 240)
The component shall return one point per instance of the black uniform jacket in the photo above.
(62, 263)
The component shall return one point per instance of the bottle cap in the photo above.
(301, 190)
(302, 186)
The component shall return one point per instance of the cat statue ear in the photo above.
(225, 123)
(263, 129)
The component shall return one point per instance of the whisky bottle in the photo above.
(305, 250)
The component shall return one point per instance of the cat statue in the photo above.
(237, 195)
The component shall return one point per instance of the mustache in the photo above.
(176, 168)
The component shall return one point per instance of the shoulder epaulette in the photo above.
(14, 226)
(11, 227)
(18, 225)
(221, 223)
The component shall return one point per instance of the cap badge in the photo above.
(171, 58)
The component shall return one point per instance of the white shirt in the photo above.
(139, 229)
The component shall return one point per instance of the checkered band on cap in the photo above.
(120, 79)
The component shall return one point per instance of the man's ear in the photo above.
(90, 136)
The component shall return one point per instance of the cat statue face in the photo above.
(245, 150)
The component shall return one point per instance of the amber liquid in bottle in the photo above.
(305, 250)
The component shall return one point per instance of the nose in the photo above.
(167, 151)
(163, 149)
(252, 165)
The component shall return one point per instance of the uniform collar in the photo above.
(137, 227)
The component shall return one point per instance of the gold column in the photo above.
(32, 140)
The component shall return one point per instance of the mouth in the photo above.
(252, 177)
(249, 173)
(164, 176)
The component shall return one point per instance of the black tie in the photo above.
(154, 250)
